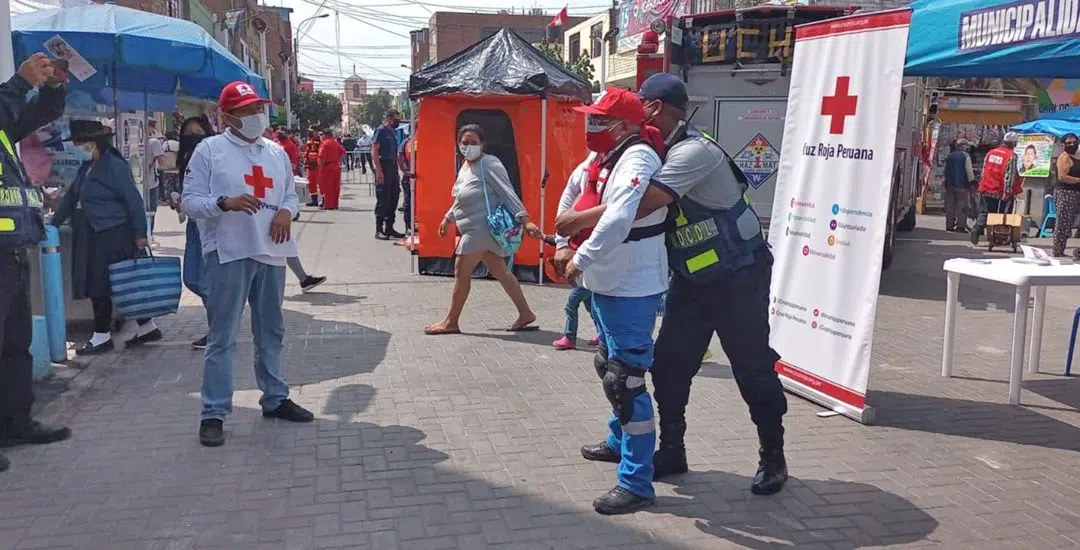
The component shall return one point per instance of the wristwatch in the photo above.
(221, 203)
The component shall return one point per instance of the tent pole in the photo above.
(148, 170)
(410, 231)
(543, 177)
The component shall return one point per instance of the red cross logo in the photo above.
(259, 181)
(635, 182)
(840, 105)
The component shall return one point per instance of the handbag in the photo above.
(146, 287)
(504, 227)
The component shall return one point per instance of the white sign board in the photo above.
(831, 204)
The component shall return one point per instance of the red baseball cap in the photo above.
(237, 95)
(617, 103)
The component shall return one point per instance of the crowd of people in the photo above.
(649, 174)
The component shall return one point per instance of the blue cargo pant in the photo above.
(625, 327)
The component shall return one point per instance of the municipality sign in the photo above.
(1018, 22)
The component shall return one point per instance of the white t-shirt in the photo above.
(157, 148)
(610, 266)
(225, 165)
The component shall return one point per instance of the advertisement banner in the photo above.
(1034, 153)
(635, 17)
(831, 207)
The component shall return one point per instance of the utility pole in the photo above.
(337, 32)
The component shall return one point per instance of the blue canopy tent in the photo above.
(994, 38)
(1057, 124)
(138, 55)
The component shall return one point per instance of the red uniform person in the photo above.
(330, 154)
(311, 163)
(291, 149)
(998, 184)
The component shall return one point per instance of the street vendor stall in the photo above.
(524, 101)
(124, 64)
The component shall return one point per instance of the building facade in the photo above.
(585, 40)
(351, 98)
(448, 33)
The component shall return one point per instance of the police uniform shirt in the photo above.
(695, 168)
(625, 269)
(698, 170)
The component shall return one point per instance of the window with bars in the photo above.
(575, 47)
(596, 37)
(174, 8)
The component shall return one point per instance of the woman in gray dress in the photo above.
(469, 214)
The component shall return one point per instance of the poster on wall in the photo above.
(130, 137)
(635, 17)
(832, 201)
(1033, 155)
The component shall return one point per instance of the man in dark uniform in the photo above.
(387, 178)
(21, 227)
(721, 271)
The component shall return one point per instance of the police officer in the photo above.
(21, 227)
(721, 270)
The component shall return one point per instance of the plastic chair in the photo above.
(1050, 210)
(1072, 342)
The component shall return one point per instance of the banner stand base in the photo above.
(866, 415)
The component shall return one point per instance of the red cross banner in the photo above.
(832, 204)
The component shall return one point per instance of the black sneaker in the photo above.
(32, 433)
(291, 412)
(601, 453)
(91, 349)
(620, 501)
(381, 236)
(393, 234)
(973, 236)
(309, 284)
(4, 463)
(200, 343)
(152, 336)
(212, 432)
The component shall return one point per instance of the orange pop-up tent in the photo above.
(524, 101)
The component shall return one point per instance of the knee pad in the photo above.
(600, 363)
(622, 384)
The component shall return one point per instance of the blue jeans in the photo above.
(230, 286)
(153, 196)
(576, 297)
(194, 267)
(626, 327)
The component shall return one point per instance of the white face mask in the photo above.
(253, 126)
(470, 152)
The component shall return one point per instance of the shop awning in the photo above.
(994, 38)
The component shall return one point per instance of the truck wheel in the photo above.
(907, 223)
(887, 252)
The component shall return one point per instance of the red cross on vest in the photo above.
(259, 181)
(840, 105)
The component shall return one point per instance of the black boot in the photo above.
(601, 453)
(772, 467)
(670, 459)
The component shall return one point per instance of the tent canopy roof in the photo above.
(1057, 124)
(993, 38)
(504, 64)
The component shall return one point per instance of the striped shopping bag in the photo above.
(146, 287)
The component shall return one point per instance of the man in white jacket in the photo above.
(624, 264)
(239, 188)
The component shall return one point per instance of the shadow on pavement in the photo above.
(846, 515)
(974, 419)
(317, 298)
(1063, 390)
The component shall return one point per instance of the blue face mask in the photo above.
(80, 154)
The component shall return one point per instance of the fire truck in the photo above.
(736, 65)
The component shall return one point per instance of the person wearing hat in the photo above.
(239, 186)
(624, 264)
(959, 175)
(998, 184)
(108, 222)
(21, 227)
(719, 284)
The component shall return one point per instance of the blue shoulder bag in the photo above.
(505, 228)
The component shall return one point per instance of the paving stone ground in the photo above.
(471, 442)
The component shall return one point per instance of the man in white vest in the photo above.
(239, 188)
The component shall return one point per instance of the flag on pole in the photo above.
(560, 18)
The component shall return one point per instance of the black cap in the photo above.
(667, 88)
(87, 130)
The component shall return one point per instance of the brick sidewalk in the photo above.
(472, 441)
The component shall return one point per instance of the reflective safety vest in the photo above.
(704, 243)
(21, 225)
